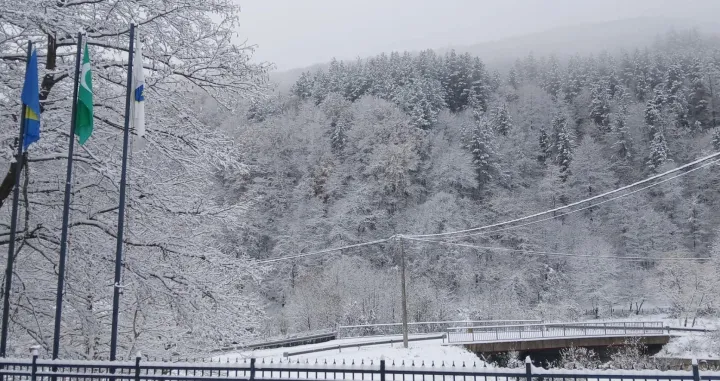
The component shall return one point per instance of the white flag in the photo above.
(139, 89)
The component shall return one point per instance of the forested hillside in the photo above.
(427, 143)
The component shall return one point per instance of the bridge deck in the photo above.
(541, 344)
(556, 335)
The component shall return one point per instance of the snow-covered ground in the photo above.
(694, 345)
(701, 345)
(686, 345)
(419, 351)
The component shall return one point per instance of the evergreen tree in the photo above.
(626, 69)
(679, 110)
(422, 100)
(653, 113)
(320, 87)
(455, 80)
(716, 138)
(531, 67)
(658, 151)
(513, 78)
(613, 83)
(673, 82)
(699, 98)
(481, 145)
(640, 76)
(480, 84)
(563, 145)
(337, 79)
(502, 122)
(622, 140)
(382, 85)
(600, 107)
(303, 86)
(337, 111)
(574, 83)
(553, 78)
(545, 147)
(495, 80)
(359, 81)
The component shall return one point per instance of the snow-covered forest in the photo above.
(183, 291)
(406, 143)
(232, 174)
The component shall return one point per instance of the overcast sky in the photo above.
(298, 33)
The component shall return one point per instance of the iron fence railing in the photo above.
(35, 369)
(552, 330)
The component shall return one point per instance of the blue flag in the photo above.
(31, 99)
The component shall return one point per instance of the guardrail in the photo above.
(551, 330)
(340, 347)
(288, 342)
(36, 369)
(419, 327)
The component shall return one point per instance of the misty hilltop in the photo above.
(562, 42)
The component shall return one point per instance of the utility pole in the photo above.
(403, 291)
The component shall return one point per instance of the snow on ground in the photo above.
(699, 345)
(418, 351)
(686, 345)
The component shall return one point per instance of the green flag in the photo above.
(84, 117)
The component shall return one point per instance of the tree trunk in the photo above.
(8, 182)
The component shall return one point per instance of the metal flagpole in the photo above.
(121, 210)
(13, 223)
(66, 206)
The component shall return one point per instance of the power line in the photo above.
(649, 179)
(418, 237)
(322, 251)
(587, 207)
(552, 254)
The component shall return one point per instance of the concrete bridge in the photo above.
(553, 336)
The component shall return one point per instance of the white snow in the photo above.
(430, 351)
(686, 345)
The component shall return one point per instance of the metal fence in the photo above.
(36, 369)
(552, 330)
(420, 327)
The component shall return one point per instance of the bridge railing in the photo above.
(552, 330)
(420, 327)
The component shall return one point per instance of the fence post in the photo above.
(696, 370)
(138, 357)
(252, 368)
(33, 373)
(528, 369)
(382, 369)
